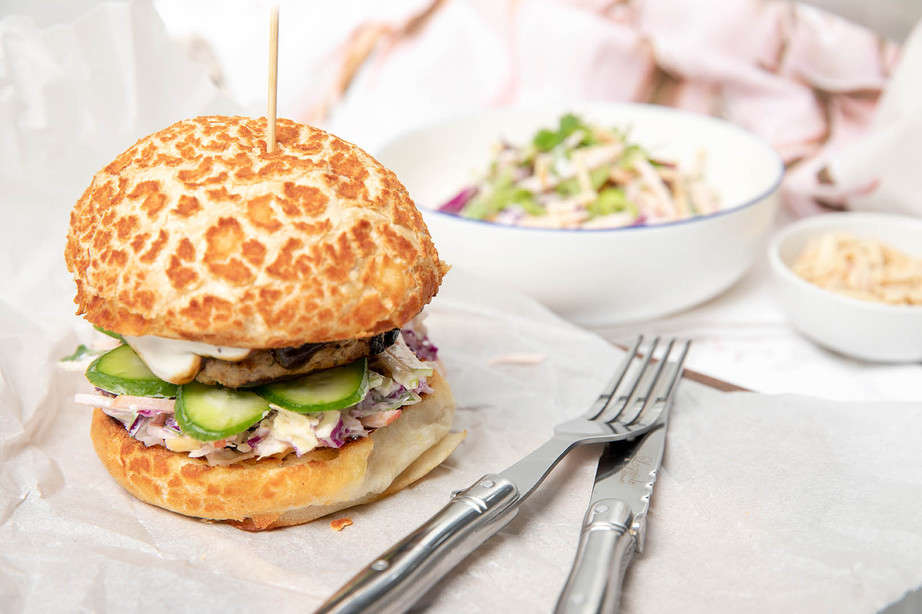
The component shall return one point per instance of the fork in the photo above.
(398, 578)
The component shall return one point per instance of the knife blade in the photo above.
(627, 473)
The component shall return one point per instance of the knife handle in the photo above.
(398, 578)
(606, 548)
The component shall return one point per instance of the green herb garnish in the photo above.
(546, 140)
(80, 353)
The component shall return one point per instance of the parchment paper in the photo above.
(764, 504)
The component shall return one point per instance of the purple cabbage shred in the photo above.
(420, 345)
(136, 425)
(337, 436)
(460, 200)
(423, 388)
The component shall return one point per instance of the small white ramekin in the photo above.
(863, 329)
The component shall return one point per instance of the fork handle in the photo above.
(606, 548)
(398, 578)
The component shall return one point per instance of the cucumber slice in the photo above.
(120, 371)
(208, 413)
(325, 390)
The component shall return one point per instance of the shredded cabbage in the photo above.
(416, 337)
(404, 366)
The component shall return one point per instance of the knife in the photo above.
(615, 524)
(399, 577)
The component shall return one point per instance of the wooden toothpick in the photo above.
(273, 76)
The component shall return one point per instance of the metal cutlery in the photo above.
(615, 523)
(627, 408)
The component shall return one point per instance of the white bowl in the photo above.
(863, 329)
(598, 277)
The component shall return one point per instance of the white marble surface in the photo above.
(742, 337)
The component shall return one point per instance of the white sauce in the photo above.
(177, 361)
(297, 428)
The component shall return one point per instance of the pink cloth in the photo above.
(804, 80)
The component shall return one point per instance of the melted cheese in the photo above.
(178, 361)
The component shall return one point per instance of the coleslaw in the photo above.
(583, 175)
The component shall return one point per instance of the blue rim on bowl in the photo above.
(659, 108)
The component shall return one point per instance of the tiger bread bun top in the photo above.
(196, 232)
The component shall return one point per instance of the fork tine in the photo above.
(609, 392)
(639, 401)
(647, 414)
(623, 400)
(678, 371)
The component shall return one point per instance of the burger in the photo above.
(271, 364)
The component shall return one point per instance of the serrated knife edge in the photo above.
(628, 472)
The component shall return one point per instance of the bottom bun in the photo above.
(264, 494)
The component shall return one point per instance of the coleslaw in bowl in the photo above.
(591, 275)
(583, 175)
